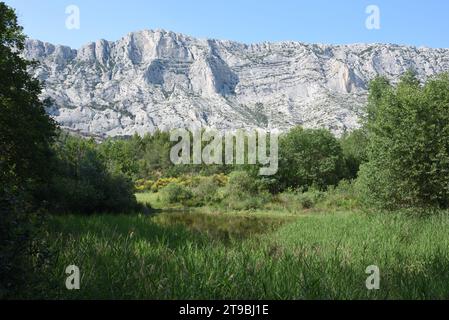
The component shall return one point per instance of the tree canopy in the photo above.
(26, 132)
(408, 150)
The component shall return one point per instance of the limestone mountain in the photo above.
(158, 79)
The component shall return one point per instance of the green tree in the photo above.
(155, 160)
(408, 150)
(309, 157)
(354, 146)
(82, 182)
(26, 133)
(122, 155)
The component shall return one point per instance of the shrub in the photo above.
(176, 193)
(119, 194)
(343, 196)
(286, 200)
(244, 191)
(205, 190)
(221, 179)
(202, 189)
(310, 198)
(162, 183)
(82, 184)
(143, 185)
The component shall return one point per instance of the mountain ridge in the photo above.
(161, 30)
(157, 79)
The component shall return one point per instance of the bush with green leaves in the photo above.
(244, 191)
(408, 151)
(310, 198)
(309, 157)
(176, 193)
(82, 183)
(342, 197)
(205, 190)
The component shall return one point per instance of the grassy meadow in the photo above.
(272, 253)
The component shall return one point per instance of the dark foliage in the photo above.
(26, 133)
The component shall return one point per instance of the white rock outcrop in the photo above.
(152, 80)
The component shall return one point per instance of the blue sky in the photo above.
(413, 22)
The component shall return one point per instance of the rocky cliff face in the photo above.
(158, 79)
